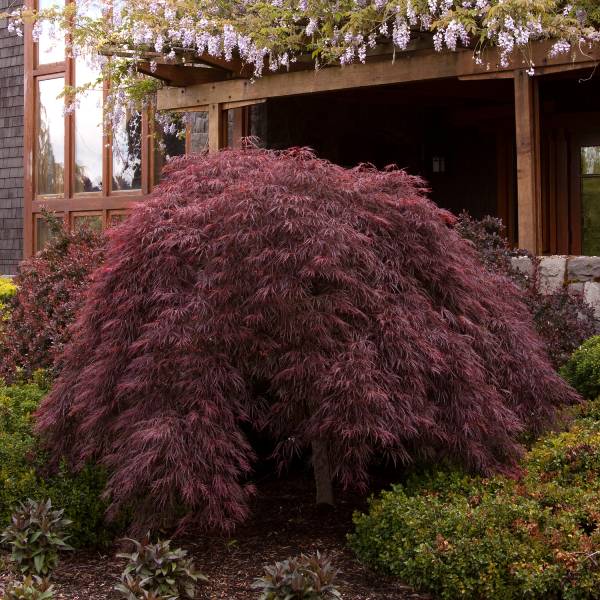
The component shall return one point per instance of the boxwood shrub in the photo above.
(582, 370)
(7, 291)
(24, 473)
(458, 536)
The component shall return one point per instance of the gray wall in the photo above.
(11, 146)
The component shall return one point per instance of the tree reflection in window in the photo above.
(88, 129)
(127, 153)
(590, 199)
(46, 230)
(91, 222)
(50, 132)
(51, 45)
(168, 142)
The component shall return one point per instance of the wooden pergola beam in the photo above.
(179, 75)
(420, 65)
(182, 56)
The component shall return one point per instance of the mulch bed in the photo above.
(284, 523)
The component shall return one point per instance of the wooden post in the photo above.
(216, 138)
(528, 162)
(240, 126)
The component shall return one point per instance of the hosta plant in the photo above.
(155, 571)
(31, 588)
(36, 535)
(305, 577)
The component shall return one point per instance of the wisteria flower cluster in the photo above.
(269, 35)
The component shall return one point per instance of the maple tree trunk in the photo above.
(322, 471)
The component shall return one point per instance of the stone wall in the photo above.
(11, 146)
(579, 274)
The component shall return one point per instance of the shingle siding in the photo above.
(11, 146)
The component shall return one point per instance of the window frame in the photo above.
(584, 141)
(70, 204)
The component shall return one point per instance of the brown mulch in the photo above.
(284, 522)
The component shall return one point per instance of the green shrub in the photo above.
(31, 588)
(300, 578)
(24, 470)
(7, 291)
(36, 535)
(464, 537)
(155, 571)
(582, 370)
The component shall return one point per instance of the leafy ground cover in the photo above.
(284, 523)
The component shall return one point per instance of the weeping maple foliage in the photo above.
(278, 293)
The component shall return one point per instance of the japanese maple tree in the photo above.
(329, 309)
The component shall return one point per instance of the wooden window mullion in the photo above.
(69, 133)
(145, 153)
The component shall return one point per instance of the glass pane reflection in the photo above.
(50, 132)
(590, 160)
(93, 222)
(88, 131)
(590, 196)
(127, 153)
(51, 49)
(115, 219)
(167, 145)
(43, 233)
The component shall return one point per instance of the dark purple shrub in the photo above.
(562, 319)
(488, 237)
(325, 307)
(50, 290)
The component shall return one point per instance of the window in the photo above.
(81, 169)
(91, 221)
(50, 138)
(167, 145)
(43, 232)
(50, 49)
(590, 199)
(127, 153)
(89, 137)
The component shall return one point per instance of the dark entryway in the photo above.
(458, 135)
(570, 142)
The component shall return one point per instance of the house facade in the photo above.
(487, 138)
(11, 146)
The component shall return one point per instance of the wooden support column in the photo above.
(528, 162)
(240, 126)
(216, 127)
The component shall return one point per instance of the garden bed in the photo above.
(284, 523)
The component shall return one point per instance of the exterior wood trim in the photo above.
(528, 162)
(420, 65)
(69, 204)
(216, 127)
(29, 136)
